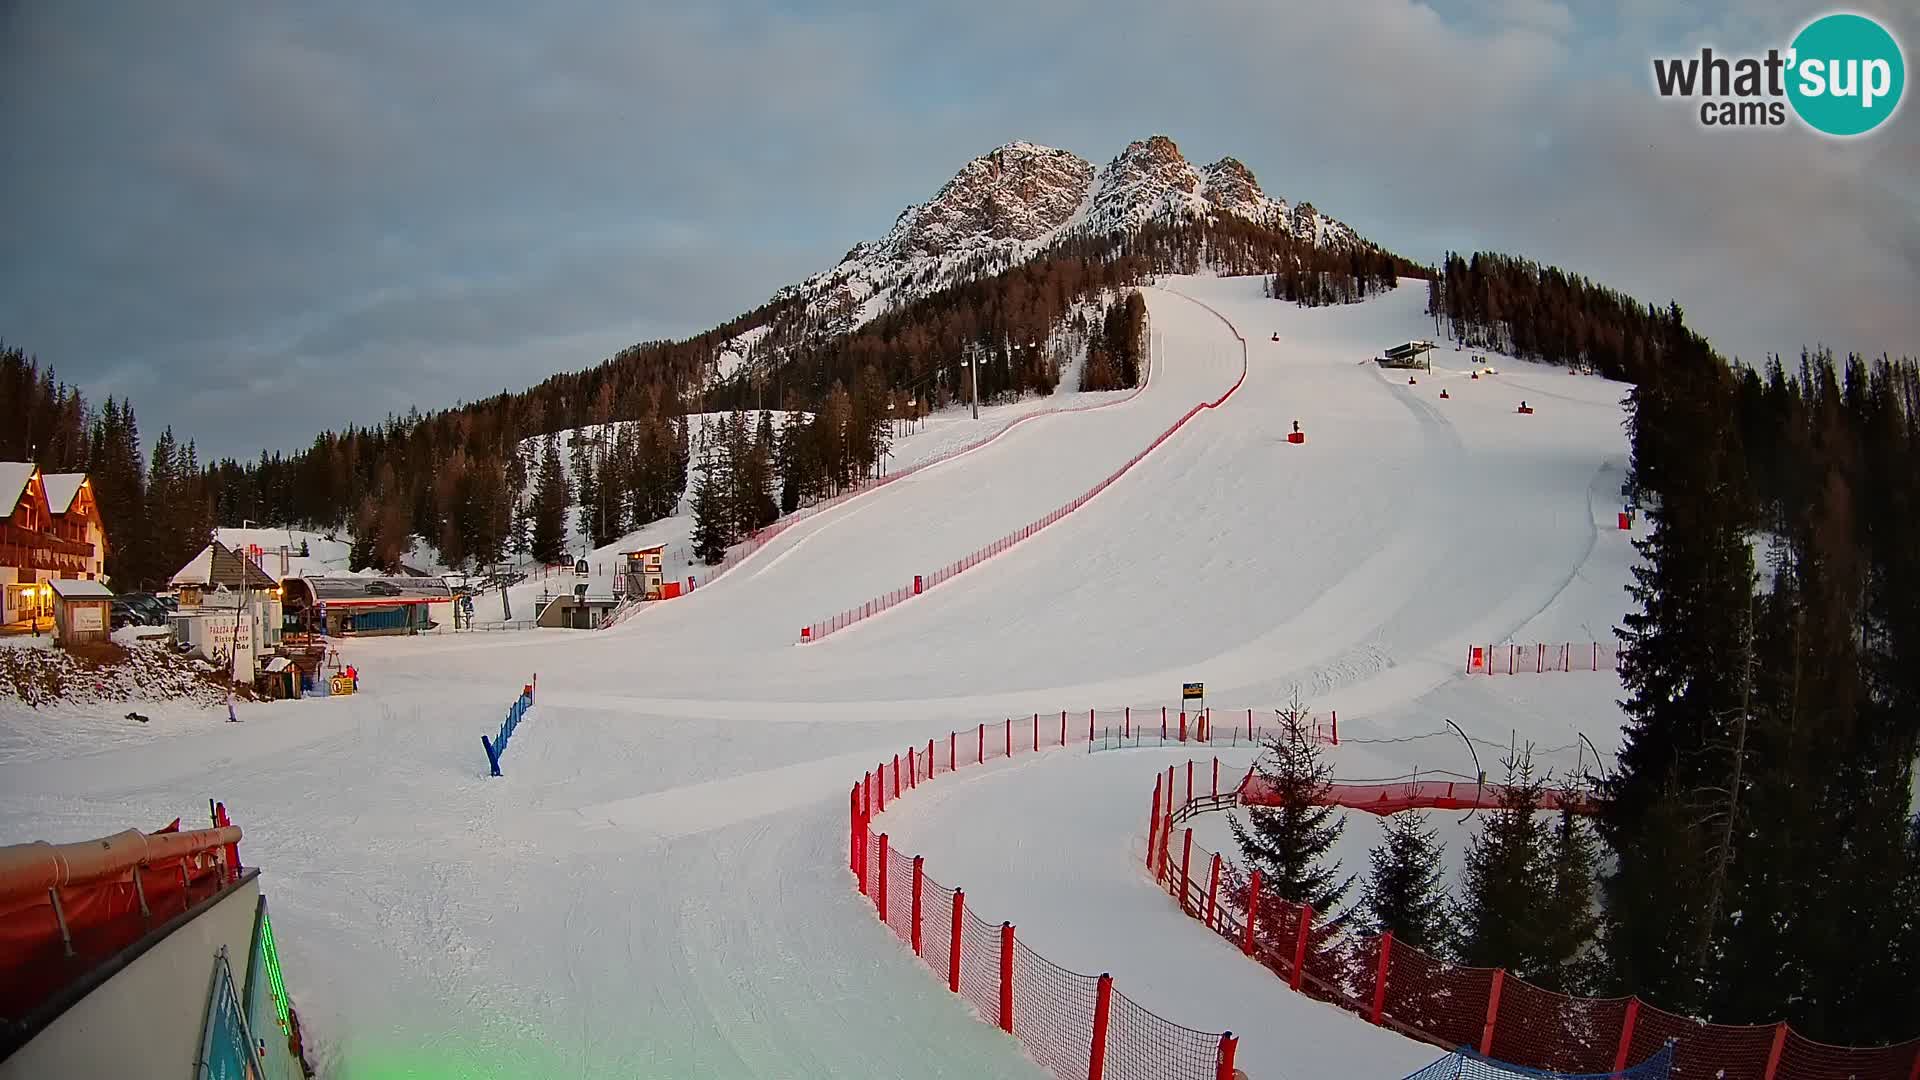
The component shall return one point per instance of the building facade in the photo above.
(40, 544)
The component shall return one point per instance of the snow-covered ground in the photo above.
(657, 887)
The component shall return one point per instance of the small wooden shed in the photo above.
(82, 611)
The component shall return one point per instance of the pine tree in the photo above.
(1404, 894)
(1507, 883)
(712, 516)
(551, 498)
(1290, 843)
(1569, 965)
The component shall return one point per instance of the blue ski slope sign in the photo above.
(226, 1050)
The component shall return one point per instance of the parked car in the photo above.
(151, 611)
(125, 615)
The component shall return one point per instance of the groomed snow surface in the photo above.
(657, 887)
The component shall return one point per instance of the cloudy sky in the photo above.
(260, 219)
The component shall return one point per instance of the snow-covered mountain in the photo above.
(1012, 202)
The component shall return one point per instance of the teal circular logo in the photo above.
(1847, 74)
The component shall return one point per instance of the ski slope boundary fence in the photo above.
(758, 541)
(922, 582)
(1076, 1026)
(498, 745)
(1501, 1016)
(1542, 657)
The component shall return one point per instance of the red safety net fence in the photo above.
(1077, 1026)
(1503, 1017)
(922, 582)
(1542, 657)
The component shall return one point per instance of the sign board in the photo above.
(339, 684)
(226, 1048)
(86, 617)
(1193, 691)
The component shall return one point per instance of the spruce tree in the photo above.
(1569, 965)
(1404, 894)
(712, 512)
(551, 498)
(1502, 914)
(1290, 843)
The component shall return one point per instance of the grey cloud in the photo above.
(264, 219)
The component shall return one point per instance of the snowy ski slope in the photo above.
(657, 886)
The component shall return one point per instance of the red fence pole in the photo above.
(1216, 777)
(1186, 862)
(1153, 823)
(1036, 731)
(1253, 913)
(1380, 977)
(1336, 727)
(919, 876)
(1626, 1034)
(882, 904)
(880, 790)
(930, 764)
(896, 776)
(1126, 724)
(952, 737)
(913, 768)
(1183, 725)
(1916, 1066)
(853, 830)
(1063, 727)
(1493, 1012)
(1089, 725)
(1102, 1008)
(1009, 736)
(983, 746)
(1300, 944)
(1189, 801)
(1213, 890)
(953, 950)
(1006, 977)
(1773, 1055)
(1228, 1046)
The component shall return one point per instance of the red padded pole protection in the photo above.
(1186, 864)
(919, 879)
(1153, 822)
(1493, 1011)
(881, 903)
(1228, 1047)
(1300, 945)
(1089, 725)
(953, 951)
(1006, 977)
(1380, 978)
(1213, 890)
(1102, 1009)
(1253, 913)
(1626, 1038)
(913, 768)
(1183, 725)
(896, 776)
(1773, 1055)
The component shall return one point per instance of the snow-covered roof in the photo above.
(13, 480)
(198, 571)
(61, 489)
(80, 589)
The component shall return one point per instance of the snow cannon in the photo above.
(1443, 393)
(1296, 436)
(1411, 380)
(1525, 409)
(1276, 335)
(1475, 376)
